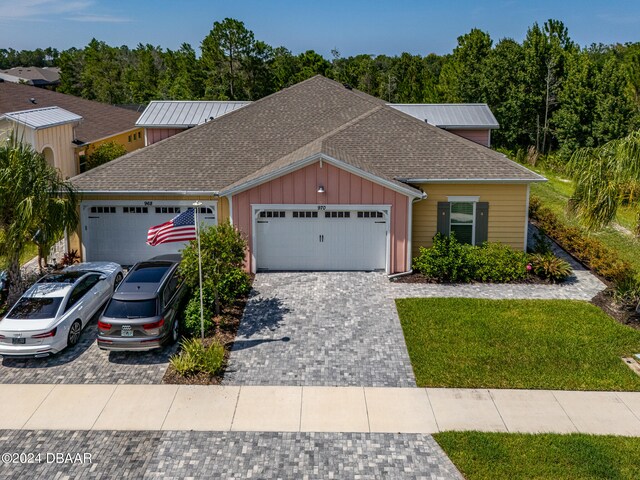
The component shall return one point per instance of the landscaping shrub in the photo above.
(498, 263)
(223, 253)
(192, 324)
(445, 261)
(196, 357)
(550, 267)
(450, 261)
(590, 251)
(104, 153)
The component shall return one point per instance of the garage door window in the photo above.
(337, 214)
(370, 214)
(305, 214)
(167, 209)
(272, 214)
(135, 210)
(103, 209)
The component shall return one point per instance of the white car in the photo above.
(52, 313)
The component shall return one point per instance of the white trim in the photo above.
(463, 199)
(471, 180)
(489, 140)
(526, 221)
(257, 208)
(409, 232)
(230, 200)
(183, 193)
(314, 158)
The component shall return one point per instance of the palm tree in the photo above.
(605, 176)
(32, 198)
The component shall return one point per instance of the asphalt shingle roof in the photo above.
(99, 119)
(314, 116)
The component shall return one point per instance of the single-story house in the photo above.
(164, 118)
(318, 176)
(100, 123)
(43, 77)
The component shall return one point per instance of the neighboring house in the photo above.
(49, 131)
(473, 121)
(101, 123)
(162, 119)
(46, 77)
(317, 177)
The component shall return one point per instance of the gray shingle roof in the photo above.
(184, 114)
(317, 115)
(451, 115)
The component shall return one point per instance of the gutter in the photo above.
(151, 192)
(399, 275)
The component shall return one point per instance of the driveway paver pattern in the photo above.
(239, 455)
(320, 328)
(86, 363)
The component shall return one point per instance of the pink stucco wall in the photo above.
(341, 187)
(479, 136)
(156, 134)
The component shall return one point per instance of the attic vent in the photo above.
(33, 100)
(347, 86)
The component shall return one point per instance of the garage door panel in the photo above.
(119, 233)
(322, 242)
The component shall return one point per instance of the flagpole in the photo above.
(197, 204)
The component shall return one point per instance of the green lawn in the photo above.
(514, 456)
(539, 344)
(555, 194)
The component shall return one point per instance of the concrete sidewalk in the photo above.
(315, 409)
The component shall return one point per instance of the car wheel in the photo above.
(74, 333)
(118, 279)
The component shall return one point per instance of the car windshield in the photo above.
(35, 308)
(131, 308)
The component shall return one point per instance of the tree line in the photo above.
(546, 91)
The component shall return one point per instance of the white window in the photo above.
(463, 216)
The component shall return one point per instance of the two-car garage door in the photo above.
(321, 239)
(117, 231)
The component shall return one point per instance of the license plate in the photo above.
(126, 331)
(18, 341)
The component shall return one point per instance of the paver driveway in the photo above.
(86, 363)
(320, 328)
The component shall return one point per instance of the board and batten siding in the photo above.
(59, 139)
(341, 188)
(507, 211)
(483, 136)
(154, 135)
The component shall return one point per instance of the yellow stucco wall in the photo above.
(75, 237)
(507, 211)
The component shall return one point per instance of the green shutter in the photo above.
(482, 222)
(444, 218)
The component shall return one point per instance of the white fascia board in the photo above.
(149, 192)
(317, 157)
(466, 127)
(472, 180)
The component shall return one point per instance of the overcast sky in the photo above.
(359, 26)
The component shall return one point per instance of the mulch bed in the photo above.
(226, 327)
(621, 313)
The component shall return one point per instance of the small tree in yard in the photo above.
(223, 253)
(105, 153)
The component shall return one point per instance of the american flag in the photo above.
(179, 229)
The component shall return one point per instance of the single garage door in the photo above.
(321, 239)
(118, 232)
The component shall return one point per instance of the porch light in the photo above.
(320, 189)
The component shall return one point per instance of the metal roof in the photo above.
(38, 118)
(451, 115)
(184, 114)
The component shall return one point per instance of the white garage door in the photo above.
(321, 240)
(117, 231)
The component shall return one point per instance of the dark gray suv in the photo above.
(143, 312)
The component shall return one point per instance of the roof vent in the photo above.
(347, 86)
(33, 100)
